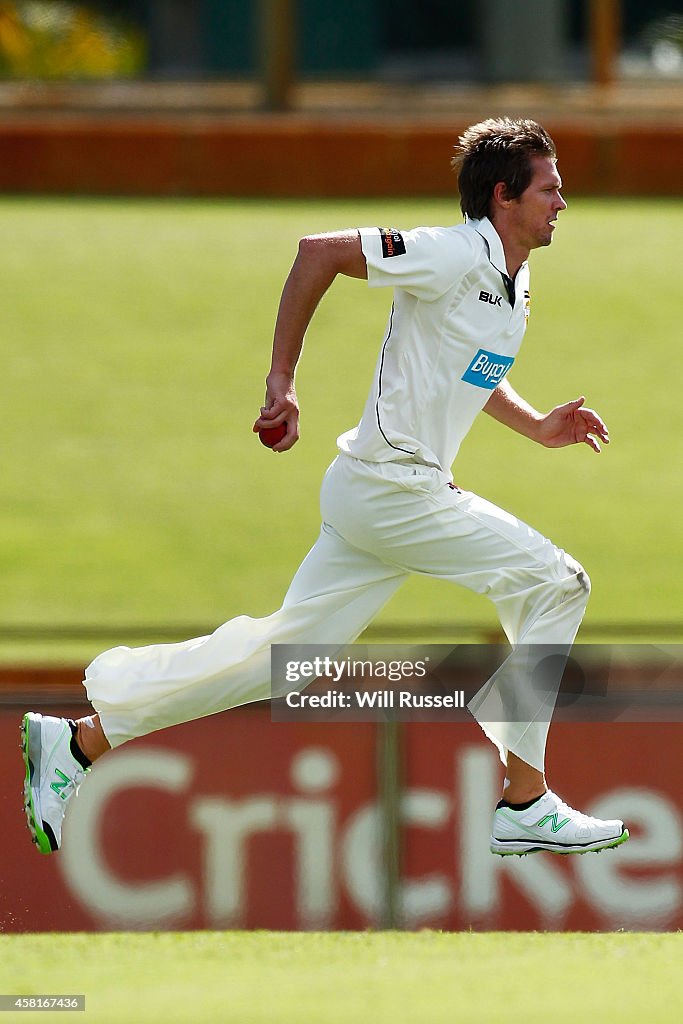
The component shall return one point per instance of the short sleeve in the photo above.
(424, 261)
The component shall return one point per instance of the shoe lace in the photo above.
(571, 812)
(75, 776)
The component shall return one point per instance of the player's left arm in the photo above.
(571, 423)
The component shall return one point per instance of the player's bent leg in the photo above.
(540, 593)
(424, 525)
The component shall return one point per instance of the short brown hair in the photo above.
(498, 149)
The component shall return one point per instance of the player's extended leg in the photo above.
(336, 591)
(333, 596)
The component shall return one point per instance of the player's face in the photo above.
(535, 211)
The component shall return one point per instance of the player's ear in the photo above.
(500, 194)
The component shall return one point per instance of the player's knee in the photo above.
(575, 575)
(584, 581)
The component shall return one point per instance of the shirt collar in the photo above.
(485, 228)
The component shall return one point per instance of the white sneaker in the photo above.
(550, 824)
(52, 777)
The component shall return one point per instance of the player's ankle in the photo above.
(90, 738)
(519, 805)
(523, 794)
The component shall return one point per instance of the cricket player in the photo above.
(388, 501)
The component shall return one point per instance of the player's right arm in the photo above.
(571, 423)
(319, 259)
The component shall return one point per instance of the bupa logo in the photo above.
(487, 369)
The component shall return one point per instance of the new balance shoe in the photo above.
(52, 777)
(550, 824)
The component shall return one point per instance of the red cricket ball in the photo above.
(272, 435)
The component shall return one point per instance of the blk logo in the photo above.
(493, 300)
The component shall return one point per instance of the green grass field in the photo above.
(136, 337)
(334, 978)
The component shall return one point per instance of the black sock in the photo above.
(75, 749)
(518, 807)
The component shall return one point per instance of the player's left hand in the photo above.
(571, 423)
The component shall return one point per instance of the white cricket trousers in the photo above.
(381, 522)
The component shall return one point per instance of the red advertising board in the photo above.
(611, 770)
(236, 822)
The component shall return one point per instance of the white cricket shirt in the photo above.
(456, 325)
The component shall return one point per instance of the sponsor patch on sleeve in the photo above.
(392, 242)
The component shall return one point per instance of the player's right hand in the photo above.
(281, 406)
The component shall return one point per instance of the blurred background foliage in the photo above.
(48, 40)
(393, 40)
